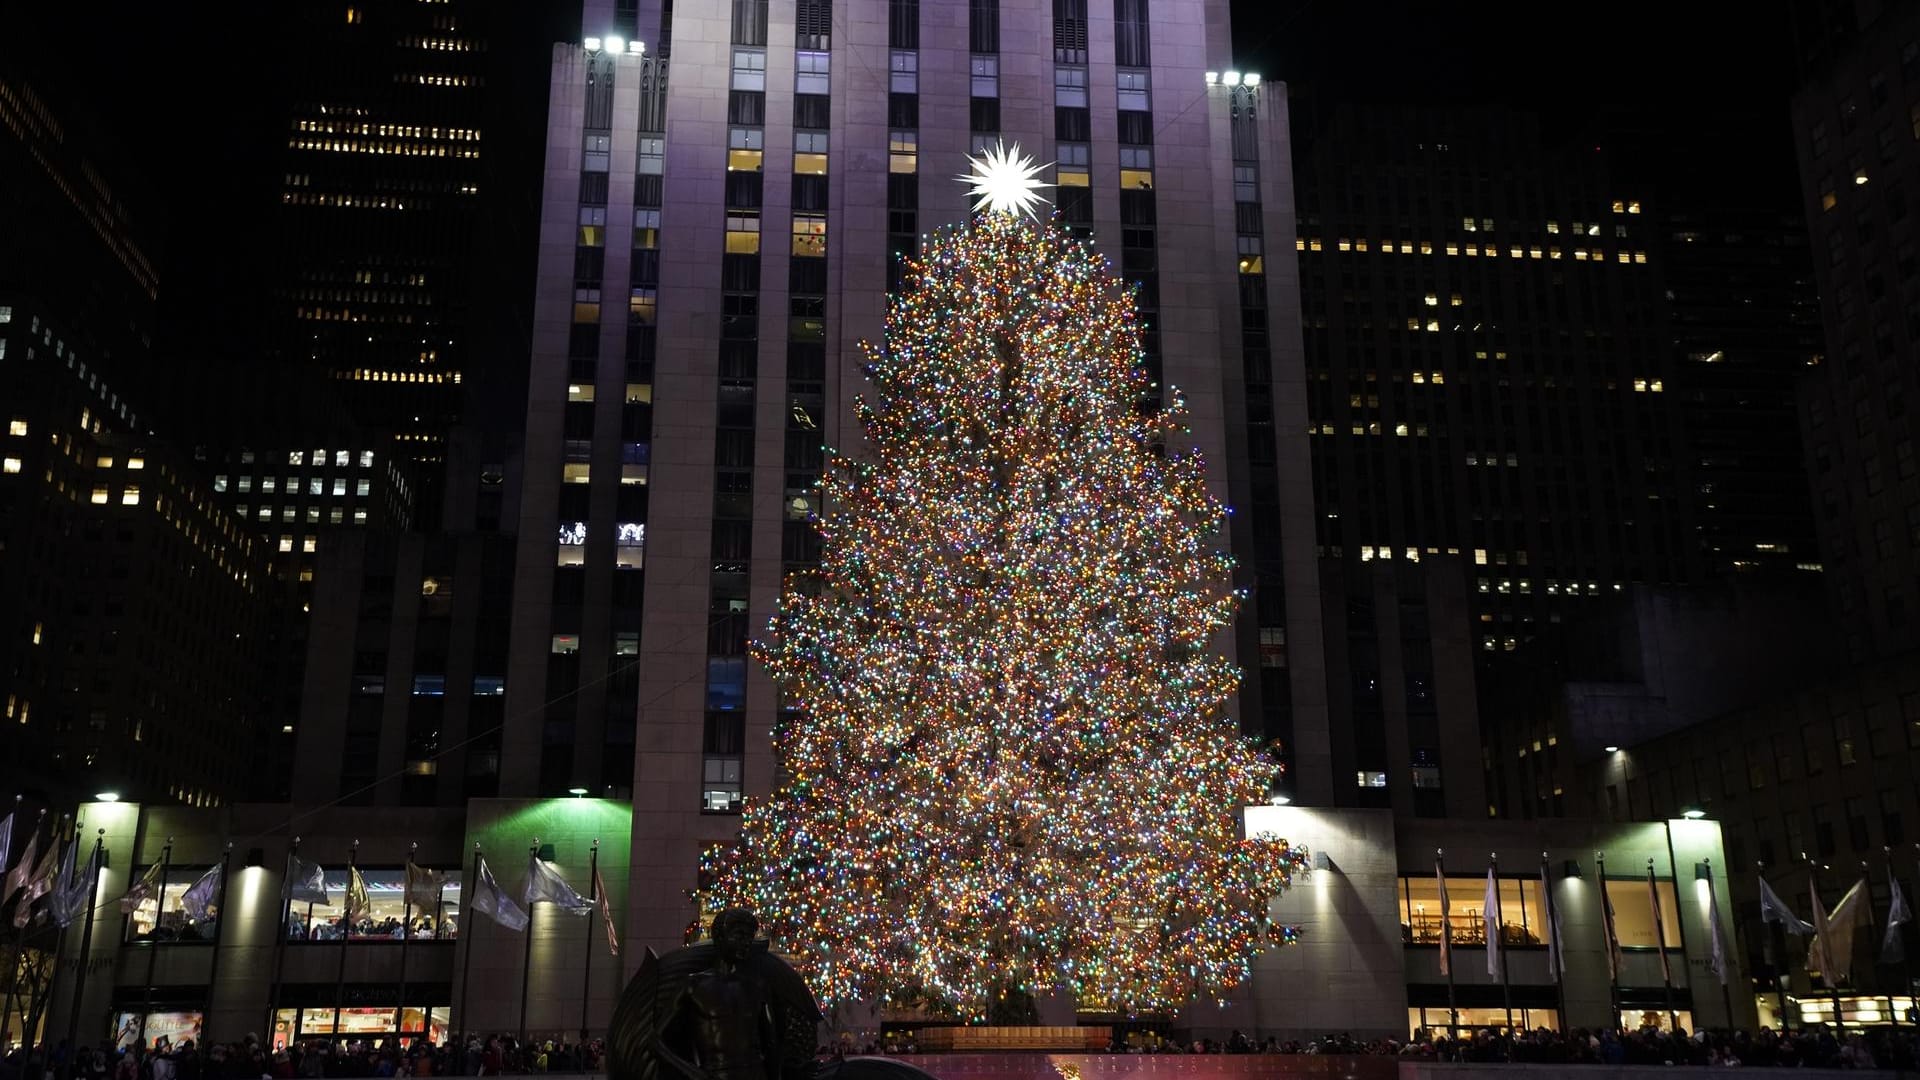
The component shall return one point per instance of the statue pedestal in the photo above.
(944, 1040)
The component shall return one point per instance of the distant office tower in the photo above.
(135, 612)
(1857, 130)
(1488, 369)
(714, 243)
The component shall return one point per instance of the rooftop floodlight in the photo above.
(577, 792)
(616, 45)
(1213, 78)
(1693, 813)
(1231, 78)
(592, 44)
(636, 47)
(107, 796)
(1251, 78)
(1612, 749)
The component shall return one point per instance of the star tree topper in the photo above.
(1004, 181)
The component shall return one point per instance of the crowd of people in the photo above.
(311, 1059)
(316, 1059)
(369, 928)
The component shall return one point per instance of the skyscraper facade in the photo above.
(1857, 133)
(746, 177)
(1486, 363)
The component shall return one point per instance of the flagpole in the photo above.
(526, 952)
(1554, 944)
(1446, 942)
(19, 945)
(1660, 942)
(153, 939)
(60, 943)
(1493, 928)
(280, 947)
(406, 936)
(1726, 991)
(346, 933)
(1612, 943)
(1906, 954)
(469, 890)
(1826, 943)
(1873, 928)
(586, 976)
(86, 944)
(213, 965)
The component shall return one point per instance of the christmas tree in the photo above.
(1008, 770)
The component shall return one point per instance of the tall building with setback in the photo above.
(724, 213)
(1857, 131)
(1487, 370)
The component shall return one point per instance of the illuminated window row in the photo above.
(329, 315)
(420, 78)
(1373, 428)
(384, 148)
(364, 296)
(357, 202)
(1370, 552)
(1492, 251)
(335, 515)
(439, 44)
(432, 378)
(412, 131)
(1646, 386)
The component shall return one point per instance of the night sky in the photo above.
(179, 85)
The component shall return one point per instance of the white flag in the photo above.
(36, 881)
(1555, 964)
(202, 895)
(17, 877)
(147, 888)
(306, 881)
(491, 900)
(544, 883)
(1659, 926)
(1717, 961)
(1893, 949)
(6, 846)
(1832, 952)
(73, 892)
(1491, 910)
(1775, 910)
(1446, 921)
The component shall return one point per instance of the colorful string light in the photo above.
(1009, 768)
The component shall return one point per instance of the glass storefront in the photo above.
(1641, 1019)
(387, 910)
(372, 1023)
(1855, 1009)
(162, 918)
(1474, 1020)
(1520, 918)
(174, 1027)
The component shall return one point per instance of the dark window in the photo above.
(984, 114)
(743, 191)
(983, 26)
(746, 108)
(810, 192)
(813, 24)
(903, 110)
(749, 22)
(1070, 31)
(1136, 127)
(1130, 37)
(1072, 125)
(811, 111)
(903, 24)
(593, 189)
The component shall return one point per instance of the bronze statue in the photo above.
(726, 1009)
